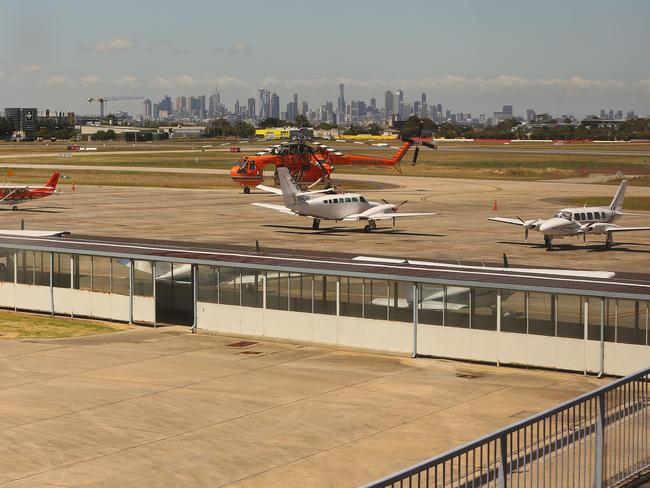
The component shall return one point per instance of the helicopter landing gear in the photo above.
(370, 226)
(247, 190)
(315, 225)
(548, 242)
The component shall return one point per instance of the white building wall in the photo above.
(144, 309)
(7, 295)
(35, 298)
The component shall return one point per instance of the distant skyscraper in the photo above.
(304, 110)
(237, 107)
(201, 105)
(507, 110)
(291, 112)
(213, 103)
(398, 104)
(146, 108)
(275, 106)
(265, 103)
(530, 115)
(388, 103)
(295, 103)
(373, 102)
(341, 103)
(156, 110)
(251, 108)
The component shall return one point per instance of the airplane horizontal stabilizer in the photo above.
(279, 208)
(270, 189)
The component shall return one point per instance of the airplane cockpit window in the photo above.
(363, 199)
(563, 214)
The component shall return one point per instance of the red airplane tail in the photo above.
(53, 181)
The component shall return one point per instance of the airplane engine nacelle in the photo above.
(379, 209)
(598, 228)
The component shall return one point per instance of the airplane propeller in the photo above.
(396, 207)
(527, 224)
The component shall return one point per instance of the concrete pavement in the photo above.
(166, 408)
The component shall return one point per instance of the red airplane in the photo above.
(15, 194)
(310, 163)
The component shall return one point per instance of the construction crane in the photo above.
(102, 102)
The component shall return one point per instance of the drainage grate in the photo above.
(242, 344)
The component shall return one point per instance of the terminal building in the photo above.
(23, 121)
(587, 322)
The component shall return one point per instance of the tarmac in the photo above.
(460, 232)
(166, 408)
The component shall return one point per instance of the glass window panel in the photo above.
(229, 280)
(61, 271)
(457, 306)
(208, 284)
(120, 276)
(301, 291)
(513, 311)
(431, 304)
(610, 322)
(325, 294)
(351, 297)
(375, 299)
(42, 268)
(570, 316)
(7, 266)
(25, 267)
(401, 301)
(594, 319)
(484, 308)
(252, 288)
(143, 278)
(631, 323)
(541, 314)
(101, 269)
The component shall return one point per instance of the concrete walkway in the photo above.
(165, 408)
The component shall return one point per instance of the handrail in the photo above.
(500, 434)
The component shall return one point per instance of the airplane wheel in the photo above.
(549, 243)
(315, 224)
(14, 207)
(247, 190)
(367, 228)
(608, 245)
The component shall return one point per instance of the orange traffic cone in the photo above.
(74, 188)
(494, 204)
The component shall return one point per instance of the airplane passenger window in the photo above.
(336, 200)
(590, 216)
(596, 215)
(347, 200)
(355, 199)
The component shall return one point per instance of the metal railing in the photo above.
(600, 439)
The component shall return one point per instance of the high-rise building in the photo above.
(237, 107)
(507, 109)
(530, 115)
(373, 103)
(291, 112)
(295, 103)
(388, 103)
(166, 104)
(423, 99)
(181, 104)
(213, 104)
(275, 106)
(251, 108)
(341, 103)
(22, 119)
(156, 110)
(304, 110)
(201, 105)
(146, 108)
(265, 103)
(398, 104)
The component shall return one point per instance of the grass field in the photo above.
(18, 325)
(430, 164)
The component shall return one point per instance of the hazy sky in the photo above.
(573, 56)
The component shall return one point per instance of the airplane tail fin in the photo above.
(617, 202)
(53, 181)
(288, 185)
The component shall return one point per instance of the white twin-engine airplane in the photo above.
(326, 205)
(579, 221)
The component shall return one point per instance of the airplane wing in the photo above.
(270, 189)
(34, 233)
(386, 216)
(505, 220)
(279, 208)
(626, 229)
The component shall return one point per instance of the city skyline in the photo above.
(474, 56)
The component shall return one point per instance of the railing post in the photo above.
(131, 277)
(52, 283)
(600, 442)
(503, 462)
(195, 296)
(415, 320)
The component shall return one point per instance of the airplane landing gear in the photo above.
(315, 225)
(15, 207)
(609, 242)
(370, 226)
(247, 190)
(548, 242)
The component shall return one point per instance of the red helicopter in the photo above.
(311, 164)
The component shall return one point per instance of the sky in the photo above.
(563, 57)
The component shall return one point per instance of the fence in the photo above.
(600, 439)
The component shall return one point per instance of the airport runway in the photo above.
(460, 232)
